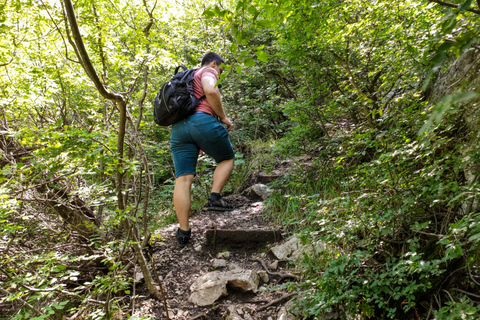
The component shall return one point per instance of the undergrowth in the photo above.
(398, 211)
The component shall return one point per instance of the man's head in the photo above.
(213, 60)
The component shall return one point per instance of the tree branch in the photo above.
(87, 63)
(455, 6)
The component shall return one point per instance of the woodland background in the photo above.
(380, 96)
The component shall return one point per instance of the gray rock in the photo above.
(224, 255)
(212, 286)
(293, 249)
(273, 265)
(138, 276)
(244, 280)
(232, 313)
(208, 288)
(263, 276)
(233, 266)
(247, 316)
(219, 263)
(283, 314)
(258, 191)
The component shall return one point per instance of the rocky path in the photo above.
(223, 280)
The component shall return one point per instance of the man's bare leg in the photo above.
(222, 173)
(182, 201)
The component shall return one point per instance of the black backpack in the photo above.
(175, 100)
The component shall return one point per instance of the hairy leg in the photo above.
(182, 201)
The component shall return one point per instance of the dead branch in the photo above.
(279, 274)
(160, 285)
(276, 301)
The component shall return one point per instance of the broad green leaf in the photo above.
(249, 62)
(466, 5)
(262, 56)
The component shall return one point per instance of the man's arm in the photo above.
(214, 99)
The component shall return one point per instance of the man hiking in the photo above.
(204, 130)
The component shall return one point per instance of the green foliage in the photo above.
(388, 177)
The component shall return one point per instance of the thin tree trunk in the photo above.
(122, 106)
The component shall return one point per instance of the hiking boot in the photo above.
(183, 237)
(218, 205)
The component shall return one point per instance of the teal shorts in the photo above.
(199, 131)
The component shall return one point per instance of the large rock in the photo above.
(244, 280)
(208, 288)
(294, 249)
(258, 192)
(212, 286)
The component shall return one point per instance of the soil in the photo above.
(177, 267)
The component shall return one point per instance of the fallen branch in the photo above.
(279, 274)
(200, 316)
(466, 292)
(25, 303)
(276, 301)
(160, 285)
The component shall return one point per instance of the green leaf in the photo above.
(249, 62)
(463, 96)
(449, 24)
(265, 23)
(466, 5)
(238, 68)
(217, 11)
(208, 13)
(262, 56)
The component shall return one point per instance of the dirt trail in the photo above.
(178, 268)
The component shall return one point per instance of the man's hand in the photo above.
(227, 122)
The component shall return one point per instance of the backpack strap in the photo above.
(180, 66)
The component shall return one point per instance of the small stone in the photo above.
(198, 248)
(232, 314)
(273, 265)
(211, 225)
(234, 266)
(247, 316)
(219, 263)
(224, 255)
(269, 318)
(240, 311)
(264, 276)
(138, 276)
(169, 275)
